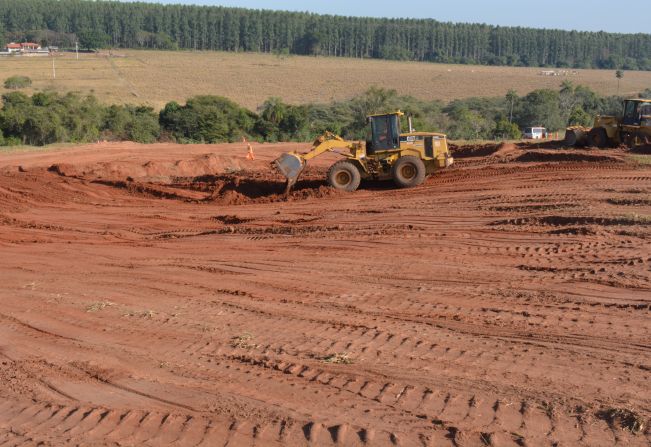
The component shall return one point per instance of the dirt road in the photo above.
(159, 295)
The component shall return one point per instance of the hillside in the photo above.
(156, 77)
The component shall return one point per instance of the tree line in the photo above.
(50, 117)
(148, 25)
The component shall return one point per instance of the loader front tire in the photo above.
(408, 171)
(598, 138)
(344, 176)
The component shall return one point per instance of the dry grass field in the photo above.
(153, 78)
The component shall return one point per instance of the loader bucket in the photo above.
(290, 166)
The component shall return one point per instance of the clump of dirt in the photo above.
(5, 170)
(65, 170)
(574, 231)
(232, 220)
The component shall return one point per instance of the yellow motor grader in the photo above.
(406, 158)
(633, 128)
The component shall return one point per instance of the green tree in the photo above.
(310, 43)
(579, 117)
(511, 98)
(155, 25)
(273, 110)
(139, 124)
(469, 125)
(619, 74)
(540, 108)
(506, 130)
(209, 119)
(92, 39)
(395, 52)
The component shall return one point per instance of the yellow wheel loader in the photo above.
(633, 128)
(406, 158)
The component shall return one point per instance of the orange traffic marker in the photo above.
(249, 153)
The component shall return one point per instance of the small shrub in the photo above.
(244, 341)
(17, 82)
(339, 358)
(10, 141)
(623, 419)
(100, 305)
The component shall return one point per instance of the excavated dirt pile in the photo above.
(531, 153)
(164, 180)
(148, 300)
(160, 171)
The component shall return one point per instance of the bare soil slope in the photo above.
(170, 295)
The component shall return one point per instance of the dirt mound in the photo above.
(530, 153)
(206, 178)
(565, 156)
(240, 190)
(506, 152)
(158, 171)
(478, 150)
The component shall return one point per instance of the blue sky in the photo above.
(632, 16)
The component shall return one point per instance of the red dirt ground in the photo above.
(170, 295)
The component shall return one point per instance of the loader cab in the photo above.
(634, 111)
(384, 133)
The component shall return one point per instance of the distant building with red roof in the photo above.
(22, 47)
(30, 46)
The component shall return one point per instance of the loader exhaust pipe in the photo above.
(411, 124)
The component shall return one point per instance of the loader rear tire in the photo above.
(344, 176)
(598, 138)
(408, 171)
